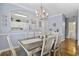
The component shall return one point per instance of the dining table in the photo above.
(31, 45)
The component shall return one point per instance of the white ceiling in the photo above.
(69, 9)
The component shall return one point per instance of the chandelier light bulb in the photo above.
(43, 10)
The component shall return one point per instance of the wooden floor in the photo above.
(68, 48)
(6, 53)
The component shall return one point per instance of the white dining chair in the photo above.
(51, 43)
(48, 43)
(57, 47)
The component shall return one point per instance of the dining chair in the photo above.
(56, 47)
(48, 43)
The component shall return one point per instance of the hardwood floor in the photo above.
(6, 53)
(68, 48)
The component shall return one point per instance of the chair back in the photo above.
(56, 42)
(49, 41)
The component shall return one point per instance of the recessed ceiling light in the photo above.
(20, 15)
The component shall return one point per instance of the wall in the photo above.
(78, 27)
(0, 8)
(18, 35)
(57, 22)
(5, 27)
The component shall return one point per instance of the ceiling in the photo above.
(69, 9)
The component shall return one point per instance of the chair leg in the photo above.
(49, 53)
(54, 52)
(59, 53)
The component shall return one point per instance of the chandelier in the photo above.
(41, 13)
